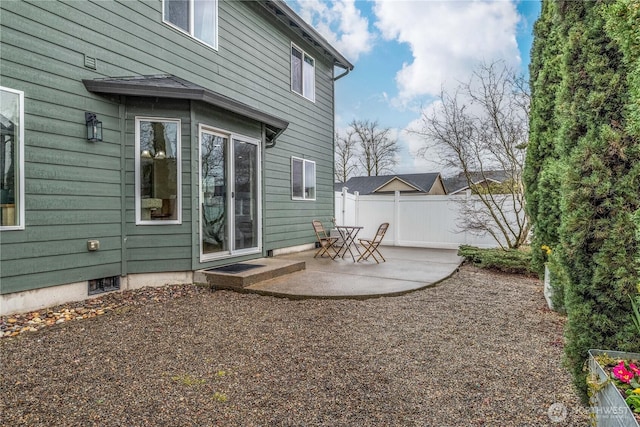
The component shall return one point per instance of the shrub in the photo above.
(516, 261)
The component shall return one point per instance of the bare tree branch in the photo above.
(480, 128)
(377, 149)
(345, 156)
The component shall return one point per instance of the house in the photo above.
(145, 140)
(459, 183)
(417, 183)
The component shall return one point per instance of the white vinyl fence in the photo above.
(414, 220)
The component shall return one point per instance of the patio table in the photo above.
(348, 233)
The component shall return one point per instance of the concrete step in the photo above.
(265, 269)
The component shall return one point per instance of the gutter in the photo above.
(347, 70)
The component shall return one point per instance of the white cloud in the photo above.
(447, 39)
(341, 23)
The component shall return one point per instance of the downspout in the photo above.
(122, 121)
(270, 142)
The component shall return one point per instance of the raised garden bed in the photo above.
(608, 405)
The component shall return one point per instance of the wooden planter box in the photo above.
(608, 408)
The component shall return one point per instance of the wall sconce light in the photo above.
(94, 127)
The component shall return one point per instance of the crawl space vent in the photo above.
(106, 284)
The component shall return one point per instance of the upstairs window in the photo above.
(303, 179)
(303, 74)
(198, 18)
(11, 159)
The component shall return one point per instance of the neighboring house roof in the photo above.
(290, 18)
(459, 182)
(414, 183)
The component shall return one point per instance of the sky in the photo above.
(406, 51)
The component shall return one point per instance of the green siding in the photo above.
(74, 188)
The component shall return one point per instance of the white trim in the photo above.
(208, 129)
(311, 97)
(191, 32)
(258, 201)
(230, 202)
(178, 122)
(397, 178)
(20, 147)
(304, 178)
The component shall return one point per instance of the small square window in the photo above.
(303, 179)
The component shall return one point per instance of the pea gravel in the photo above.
(479, 349)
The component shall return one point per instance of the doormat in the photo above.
(235, 268)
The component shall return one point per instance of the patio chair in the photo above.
(324, 240)
(370, 246)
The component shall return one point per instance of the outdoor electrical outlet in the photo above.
(93, 245)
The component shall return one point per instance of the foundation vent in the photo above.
(106, 284)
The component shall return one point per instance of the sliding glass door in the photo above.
(246, 194)
(229, 194)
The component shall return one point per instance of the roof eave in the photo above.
(281, 10)
(110, 86)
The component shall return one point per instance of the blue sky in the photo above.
(405, 52)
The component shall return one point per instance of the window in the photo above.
(303, 74)
(198, 18)
(303, 179)
(11, 159)
(158, 182)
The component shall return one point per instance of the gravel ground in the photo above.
(480, 349)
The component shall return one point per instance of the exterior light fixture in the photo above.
(94, 127)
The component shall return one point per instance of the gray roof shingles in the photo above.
(368, 184)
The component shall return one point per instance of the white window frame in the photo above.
(139, 220)
(20, 202)
(305, 92)
(230, 201)
(191, 31)
(304, 178)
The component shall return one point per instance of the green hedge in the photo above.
(583, 170)
(516, 261)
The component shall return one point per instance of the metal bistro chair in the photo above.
(326, 242)
(371, 245)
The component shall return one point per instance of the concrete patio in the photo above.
(406, 270)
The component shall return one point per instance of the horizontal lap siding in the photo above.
(158, 247)
(309, 136)
(73, 188)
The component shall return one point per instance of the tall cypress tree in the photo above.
(541, 167)
(583, 166)
(599, 245)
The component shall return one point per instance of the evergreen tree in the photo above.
(540, 172)
(583, 166)
(599, 191)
